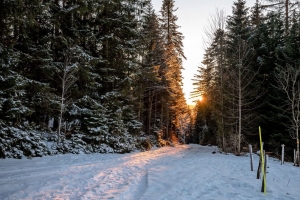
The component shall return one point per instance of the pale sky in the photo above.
(193, 16)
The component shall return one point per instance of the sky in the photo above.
(193, 17)
(183, 172)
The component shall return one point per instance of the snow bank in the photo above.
(177, 173)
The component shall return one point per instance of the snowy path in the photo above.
(182, 173)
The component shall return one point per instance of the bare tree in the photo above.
(220, 58)
(241, 94)
(216, 23)
(288, 79)
(67, 76)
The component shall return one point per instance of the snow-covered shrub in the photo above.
(103, 148)
(81, 143)
(74, 145)
(111, 143)
(146, 145)
(123, 144)
(77, 145)
(16, 143)
(153, 140)
(134, 127)
(146, 142)
(162, 142)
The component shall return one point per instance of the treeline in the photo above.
(107, 69)
(250, 77)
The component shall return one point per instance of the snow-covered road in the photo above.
(184, 172)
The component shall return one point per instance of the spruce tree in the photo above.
(242, 86)
(149, 82)
(272, 36)
(34, 59)
(171, 68)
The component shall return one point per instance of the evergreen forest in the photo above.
(89, 76)
(250, 77)
(105, 76)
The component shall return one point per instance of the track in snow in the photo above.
(182, 172)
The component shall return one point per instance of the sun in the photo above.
(193, 101)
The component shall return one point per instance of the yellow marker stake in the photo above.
(263, 162)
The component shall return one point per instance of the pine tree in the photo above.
(206, 88)
(215, 63)
(271, 34)
(257, 14)
(171, 68)
(286, 8)
(32, 58)
(116, 39)
(239, 91)
(149, 82)
(286, 79)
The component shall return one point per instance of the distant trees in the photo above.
(226, 75)
(239, 72)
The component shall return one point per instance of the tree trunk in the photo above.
(297, 135)
(167, 123)
(286, 16)
(240, 99)
(149, 112)
(155, 103)
(1, 20)
(162, 117)
(240, 112)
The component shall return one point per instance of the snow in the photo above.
(175, 173)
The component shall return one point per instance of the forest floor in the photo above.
(184, 172)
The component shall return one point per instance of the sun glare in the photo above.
(192, 102)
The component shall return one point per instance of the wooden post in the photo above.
(294, 157)
(282, 154)
(264, 178)
(259, 167)
(297, 159)
(259, 164)
(251, 157)
(267, 160)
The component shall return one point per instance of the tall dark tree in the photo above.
(170, 70)
(152, 51)
(286, 8)
(28, 43)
